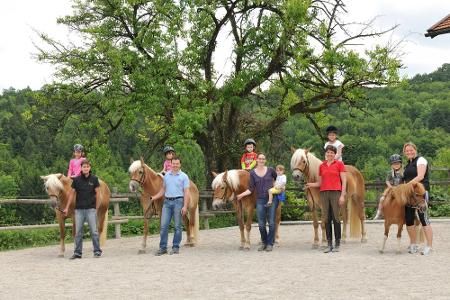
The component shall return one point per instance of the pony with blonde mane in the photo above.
(395, 200)
(304, 163)
(151, 182)
(226, 186)
(58, 188)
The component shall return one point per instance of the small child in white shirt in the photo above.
(279, 185)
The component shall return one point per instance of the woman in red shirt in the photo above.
(332, 182)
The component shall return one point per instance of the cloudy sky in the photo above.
(19, 18)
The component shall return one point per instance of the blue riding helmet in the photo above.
(78, 147)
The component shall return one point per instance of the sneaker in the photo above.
(97, 254)
(175, 251)
(262, 247)
(328, 249)
(426, 250)
(269, 248)
(161, 252)
(412, 249)
(75, 256)
(336, 248)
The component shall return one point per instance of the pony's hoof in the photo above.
(277, 244)
(343, 241)
(141, 251)
(398, 252)
(364, 240)
(381, 251)
(315, 246)
(241, 247)
(61, 255)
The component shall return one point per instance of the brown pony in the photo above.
(152, 182)
(395, 199)
(58, 187)
(226, 186)
(305, 163)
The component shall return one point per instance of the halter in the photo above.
(306, 172)
(142, 179)
(418, 199)
(57, 207)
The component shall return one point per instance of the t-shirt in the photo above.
(175, 184)
(394, 177)
(331, 175)
(248, 160)
(85, 188)
(262, 184)
(337, 144)
(280, 181)
(75, 167)
(410, 171)
(167, 165)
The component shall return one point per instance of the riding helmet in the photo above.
(168, 149)
(78, 147)
(395, 158)
(250, 141)
(331, 128)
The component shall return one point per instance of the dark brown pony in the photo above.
(58, 187)
(395, 199)
(226, 186)
(151, 183)
(305, 163)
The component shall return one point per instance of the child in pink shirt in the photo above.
(169, 152)
(75, 162)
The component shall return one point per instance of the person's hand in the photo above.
(65, 210)
(184, 211)
(342, 200)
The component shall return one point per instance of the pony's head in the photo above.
(53, 187)
(137, 175)
(300, 163)
(417, 198)
(411, 193)
(224, 187)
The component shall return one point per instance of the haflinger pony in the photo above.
(58, 187)
(226, 186)
(394, 202)
(151, 182)
(304, 163)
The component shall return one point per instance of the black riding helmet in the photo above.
(395, 158)
(250, 141)
(78, 147)
(331, 128)
(168, 149)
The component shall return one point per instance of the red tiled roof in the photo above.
(441, 27)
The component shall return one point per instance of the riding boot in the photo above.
(336, 246)
(329, 247)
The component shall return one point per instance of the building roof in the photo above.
(441, 27)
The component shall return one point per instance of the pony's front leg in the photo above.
(62, 234)
(399, 237)
(277, 225)
(239, 217)
(188, 226)
(316, 229)
(248, 226)
(386, 234)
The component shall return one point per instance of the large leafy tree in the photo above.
(197, 69)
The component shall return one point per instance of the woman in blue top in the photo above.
(261, 180)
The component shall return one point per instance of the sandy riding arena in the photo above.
(216, 269)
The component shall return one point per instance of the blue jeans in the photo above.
(266, 215)
(89, 215)
(171, 208)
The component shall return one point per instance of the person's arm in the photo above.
(252, 165)
(318, 183)
(97, 196)
(421, 169)
(160, 194)
(388, 184)
(243, 194)
(344, 188)
(251, 188)
(339, 152)
(187, 198)
(69, 171)
(69, 201)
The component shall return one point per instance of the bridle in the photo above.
(418, 200)
(306, 172)
(57, 207)
(141, 179)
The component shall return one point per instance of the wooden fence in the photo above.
(205, 206)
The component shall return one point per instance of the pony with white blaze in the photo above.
(58, 187)
(226, 186)
(304, 163)
(151, 182)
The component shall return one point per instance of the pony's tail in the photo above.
(196, 225)
(355, 222)
(104, 233)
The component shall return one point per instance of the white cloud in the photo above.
(19, 17)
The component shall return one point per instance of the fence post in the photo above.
(116, 215)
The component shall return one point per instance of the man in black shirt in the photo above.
(86, 187)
